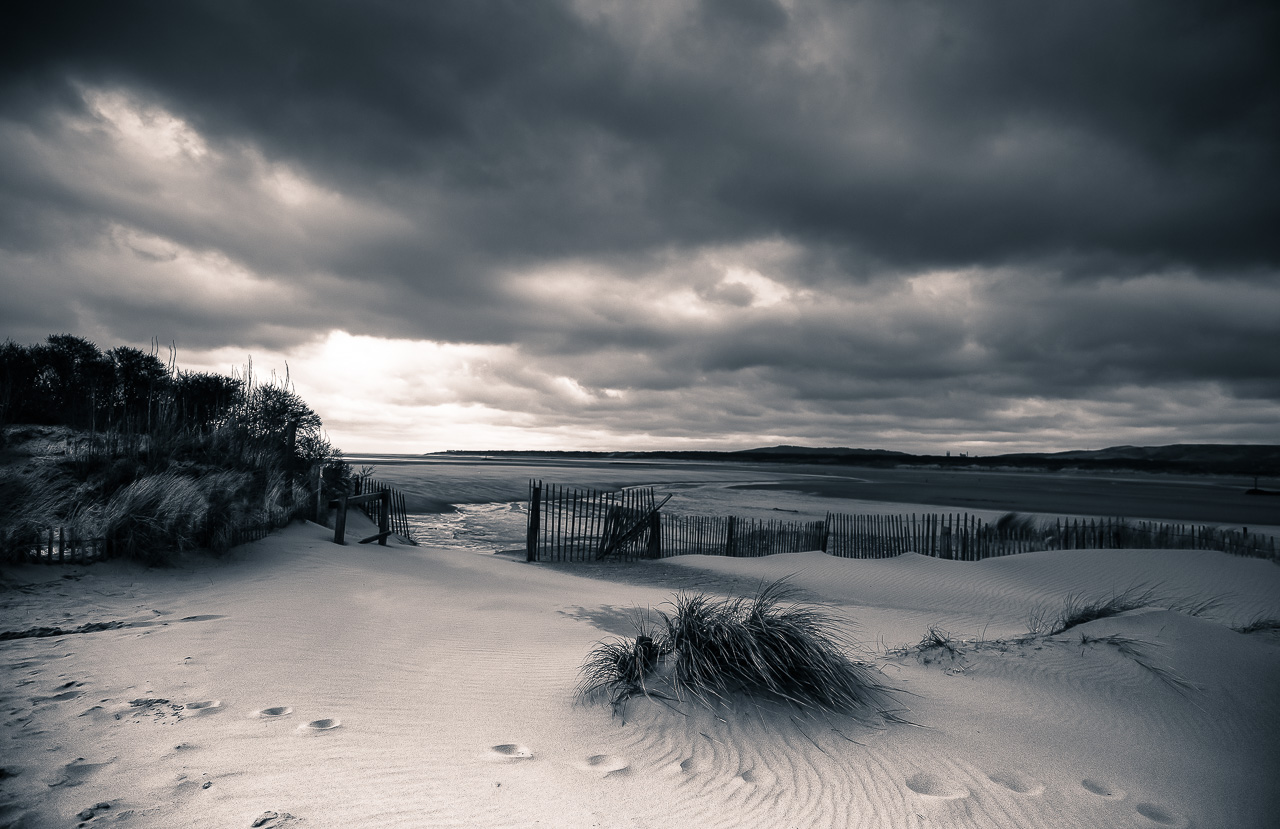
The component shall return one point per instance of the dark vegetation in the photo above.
(1260, 624)
(1078, 610)
(122, 446)
(766, 648)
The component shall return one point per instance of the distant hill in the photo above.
(1193, 458)
(811, 450)
(1244, 459)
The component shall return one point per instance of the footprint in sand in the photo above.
(272, 713)
(752, 777)
(320, 726)
(931, 785)
(606, 764)
(204, 706)
(77, 771)
(1161, 816)
(1015, 782)
(1103, 790)
(510, 751)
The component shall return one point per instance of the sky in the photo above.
(921, 225)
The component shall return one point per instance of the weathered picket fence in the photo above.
(56, 547)
(741, 537)
(396, 513)
(967, 537)
(59, 546)
(572, 524)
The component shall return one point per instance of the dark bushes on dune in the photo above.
(156, 459)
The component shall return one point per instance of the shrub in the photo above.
(712, 649)
(172, 460)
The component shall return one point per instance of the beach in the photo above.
(298, 682)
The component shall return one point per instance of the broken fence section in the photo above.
(572, 524)
(397, 518)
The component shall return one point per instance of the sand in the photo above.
(296, 682)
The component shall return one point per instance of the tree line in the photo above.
(125, 392)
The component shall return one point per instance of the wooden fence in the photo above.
(56, 547)
(571, 524)
(397, 516)
(739, 537)
(966, 537)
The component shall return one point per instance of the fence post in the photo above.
(384, 518)
(340, 522)
(319, 493)
(655, 534)
(531, 535)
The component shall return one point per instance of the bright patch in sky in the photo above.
(147, 129)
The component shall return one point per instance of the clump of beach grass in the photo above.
(763, 648)
(1077, 610)
(1259, 624)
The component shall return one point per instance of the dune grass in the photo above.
(1077, 610)
(1259, 624)
(1135, 649)
(152, 460)
(712, 650)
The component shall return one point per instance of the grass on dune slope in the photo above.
(711, 650)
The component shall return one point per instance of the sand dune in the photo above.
(301, 683)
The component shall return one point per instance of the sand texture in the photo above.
(299, 683)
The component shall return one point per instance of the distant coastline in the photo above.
(1261, 460)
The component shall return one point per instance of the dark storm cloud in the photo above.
(704, 215)
(916, 132)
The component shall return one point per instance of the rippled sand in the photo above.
(302, 683)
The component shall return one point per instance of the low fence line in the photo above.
(965, 537)
(60, 548)
(738, 537)
(572, 524)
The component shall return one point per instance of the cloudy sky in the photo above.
(604, 224)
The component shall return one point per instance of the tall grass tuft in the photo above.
(763, 648)
(1077, 610)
